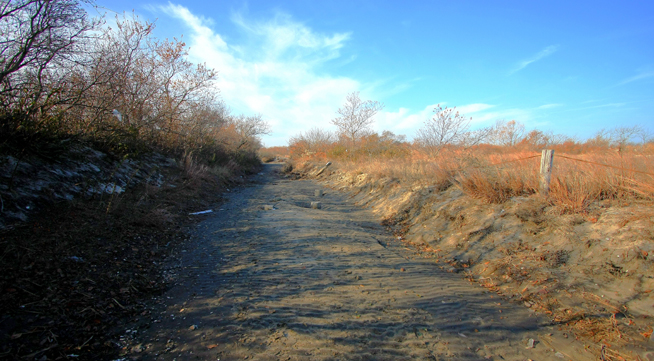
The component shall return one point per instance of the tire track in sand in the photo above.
(297, 283)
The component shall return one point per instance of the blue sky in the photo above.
(571, 67)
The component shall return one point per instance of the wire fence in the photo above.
(547, 157)
(606, 165)
(513, 160)
(565, 157)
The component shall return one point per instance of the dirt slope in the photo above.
(297, 283)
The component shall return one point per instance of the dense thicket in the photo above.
(64, 75)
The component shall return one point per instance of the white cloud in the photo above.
(406, 122)
(541, 54)
(641, 75)
(548, 106)
(403, 121)
(473, 108)
(274, 72)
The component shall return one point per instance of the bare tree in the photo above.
(35, 34)
(619, 137)
(313, 140)
(449, 127)
(356, 117)
(248, 129)
(508, 133)
(622, 136)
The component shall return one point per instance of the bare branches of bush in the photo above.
(312, 141)
(121, 88)
(620, 137)
(36, 35)
(356, 117)
(147, 81)
(508, 133)
(248, 129)
(449, 127)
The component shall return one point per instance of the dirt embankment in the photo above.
(83, 237)
(31, 184)
(591, 273)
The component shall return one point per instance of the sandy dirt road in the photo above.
(296, 283)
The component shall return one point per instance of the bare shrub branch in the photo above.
(449, 127)
(356, 117)
(508, 133)
(36, 35)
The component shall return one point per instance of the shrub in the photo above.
(288, 167)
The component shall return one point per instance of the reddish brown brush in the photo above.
(583, 174)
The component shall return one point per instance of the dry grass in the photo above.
(576, 185)
(497, 185)
(496, 174)
(273, 153)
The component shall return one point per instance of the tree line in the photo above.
(64, 74)
(445, 129)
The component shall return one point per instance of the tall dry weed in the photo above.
(497, 185)
(580, 181)
(574, 193)
(415, 173)
(194, 171)
(494, 173)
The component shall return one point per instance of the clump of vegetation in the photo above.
(288, 167)
(493, 164)
(67, 77)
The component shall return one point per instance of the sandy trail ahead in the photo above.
(296, 283)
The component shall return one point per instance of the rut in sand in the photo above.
(301, 283)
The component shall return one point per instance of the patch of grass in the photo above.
(495, 174)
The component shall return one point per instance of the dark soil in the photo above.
(75, 275)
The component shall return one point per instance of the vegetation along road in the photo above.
(301, 283)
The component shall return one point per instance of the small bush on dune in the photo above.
(574, 193)
(267, 157)
(497, 185)
(288, 167)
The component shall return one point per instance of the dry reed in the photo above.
(496, 174)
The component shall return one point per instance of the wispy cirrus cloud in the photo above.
(599, 106)
(540, 55)
(549, 106)
(640, 76)
(473, 108)
(403, 121)
(485, 118)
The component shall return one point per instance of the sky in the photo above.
(568, 67)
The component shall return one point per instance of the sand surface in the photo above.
(298, 283)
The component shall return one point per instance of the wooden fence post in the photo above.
(546, 161)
